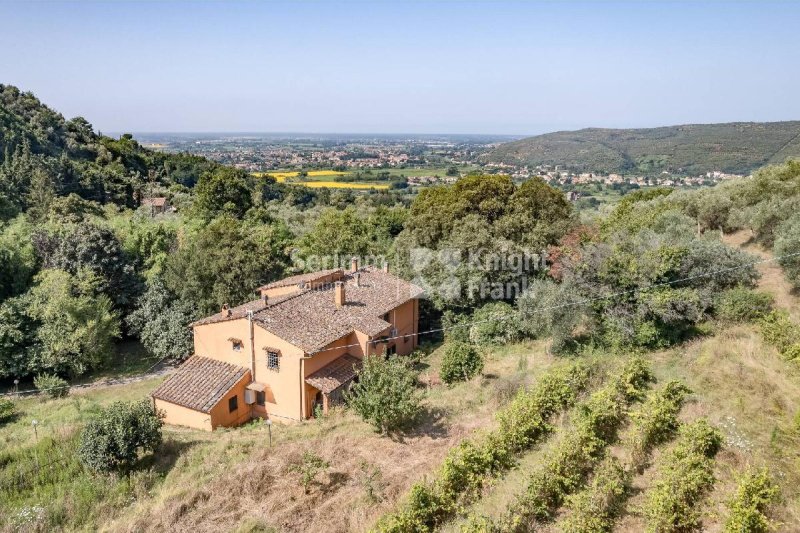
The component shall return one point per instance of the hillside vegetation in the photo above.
(646, 380)
(736, 147)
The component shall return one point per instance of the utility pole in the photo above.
(252, 346)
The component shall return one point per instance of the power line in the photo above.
(539, 310)
(580, 302)
(87, 385)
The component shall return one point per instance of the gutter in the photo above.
(301, 366)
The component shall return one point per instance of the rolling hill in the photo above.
(736, 147)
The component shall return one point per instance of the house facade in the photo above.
(296, 347)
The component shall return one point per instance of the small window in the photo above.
(392, 350)
(273, 361)
(260, 397)
(237, 344)
(233, 404)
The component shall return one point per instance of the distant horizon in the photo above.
(423, 134)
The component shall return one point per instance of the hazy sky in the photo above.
(446, 67)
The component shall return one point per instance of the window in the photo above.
(237, 344)
(233, 404)
(273, 360)
(260, 397)
(392, 350)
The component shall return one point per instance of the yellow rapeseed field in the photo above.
(342, 185)
(281, 177)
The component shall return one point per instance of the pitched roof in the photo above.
(335, 374)
(158, 201)
(200, 383)
(309, 318)
(300, 278)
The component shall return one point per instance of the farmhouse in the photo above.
(157, 204)
(295, 348)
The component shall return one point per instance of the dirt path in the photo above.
(772, 279)
(83, 388)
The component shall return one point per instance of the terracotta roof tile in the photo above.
(309, 318)
(335, 374)
(158, 201)
(300, 278)
(200, 383)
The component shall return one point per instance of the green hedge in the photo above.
(655, 422)
(467, 467)
(566, 467)
(741, 304)
(683, 478)
(778, 330)
(594, 509)
(755, 494)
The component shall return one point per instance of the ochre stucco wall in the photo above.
(181, 416)
(288, 397)
(219, 416)
(283, 385)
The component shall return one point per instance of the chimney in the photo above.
(226, 312)
(386, 266)
(357, 279)
(265, 299)
(354, 264)
(338, 294)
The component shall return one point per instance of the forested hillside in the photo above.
(84, 269)
(43, 155)
(736, 147)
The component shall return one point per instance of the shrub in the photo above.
(787, 245)
(545, 310)
(683, 478)
(792, 352)
(524, 420)
(495, 323)
(593, 510)
(385, 394)
(308, 467)
(467, 466)
(113, 440)
(655, 422)
(566, 466)
(456, 326)
(53, 385)
(7, 410)
(778, 330)
(372, 481)
(741, 304)
(461, 362)
(754, 495)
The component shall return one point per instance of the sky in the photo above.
(404, 67)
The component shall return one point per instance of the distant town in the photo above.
(419, 160)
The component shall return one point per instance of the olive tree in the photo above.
(385, 394)
(113, 440)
